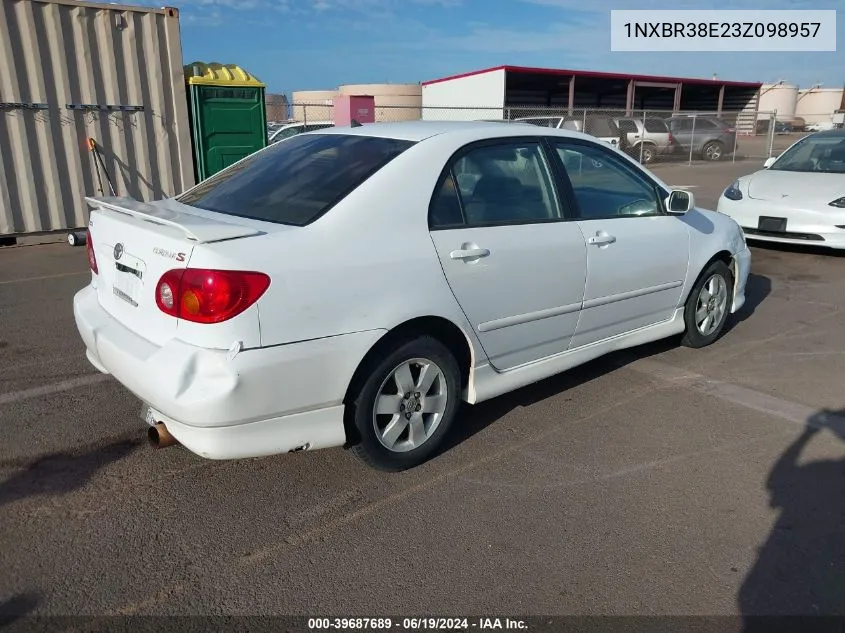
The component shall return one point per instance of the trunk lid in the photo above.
(135, 243)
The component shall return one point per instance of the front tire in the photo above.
(708, 305)
(406, 404)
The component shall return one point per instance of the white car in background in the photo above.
(353, 287)
(798, 198)
(820, 127)
(292, 129)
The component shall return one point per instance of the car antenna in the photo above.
(355, 124)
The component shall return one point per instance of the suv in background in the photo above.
(600, 126)
(709, 137)
(647, 140)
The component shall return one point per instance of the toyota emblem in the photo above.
(118, 250)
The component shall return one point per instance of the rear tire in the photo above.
(708, 306)
(714, 150)
(649, 153)
(406, 404)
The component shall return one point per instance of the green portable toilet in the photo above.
(228, 118)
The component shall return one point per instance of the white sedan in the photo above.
(353, 286)
(798, 198)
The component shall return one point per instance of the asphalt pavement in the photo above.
(658, 481)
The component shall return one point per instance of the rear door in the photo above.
(514, 262)
(681, 128)
(657, 132)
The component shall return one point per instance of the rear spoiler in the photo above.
(197, 228)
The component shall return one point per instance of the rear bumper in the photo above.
(258, 402)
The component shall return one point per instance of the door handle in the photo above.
(599, 240)
(469, 253)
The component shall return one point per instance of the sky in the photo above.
(321, 44)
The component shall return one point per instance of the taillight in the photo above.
(208, 296)
(89, 247)
(671, 139)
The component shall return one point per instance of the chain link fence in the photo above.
(650, 136)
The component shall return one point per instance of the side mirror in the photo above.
(680, 202)
(769, 162)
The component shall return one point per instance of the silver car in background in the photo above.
(646, 140)
(600, 126)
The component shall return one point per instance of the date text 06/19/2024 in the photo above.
(416, 624)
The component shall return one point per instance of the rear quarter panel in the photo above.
(369, 263)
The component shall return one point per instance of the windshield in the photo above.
(814, 153)
(297, 181)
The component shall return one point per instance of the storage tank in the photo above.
(817, 105)
(394, 102)
(780, 97)
(313, 105)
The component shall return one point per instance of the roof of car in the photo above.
(420, 130)
(835, 132)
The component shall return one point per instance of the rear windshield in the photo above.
(297, 180)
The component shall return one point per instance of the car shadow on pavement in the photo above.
(757, 288)
(475, 418)
(800, 569)
(16, 607)
(805, 249)
(61, 473)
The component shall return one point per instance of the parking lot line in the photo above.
(47, 390)
(43, 277)
(736, 394)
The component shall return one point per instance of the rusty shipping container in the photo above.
(70, 71)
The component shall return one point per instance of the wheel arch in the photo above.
(454, 337)
(723, 256)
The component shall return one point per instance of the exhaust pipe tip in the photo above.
(160, 437)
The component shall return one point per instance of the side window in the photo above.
(655, 125)
(604, 186)
(445, 211)
(682, 125)
(628, 127)
(502, 184)
(703, 124)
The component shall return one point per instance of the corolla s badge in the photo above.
(118, 250)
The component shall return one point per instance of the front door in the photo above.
(515, 264)
(637, 255)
